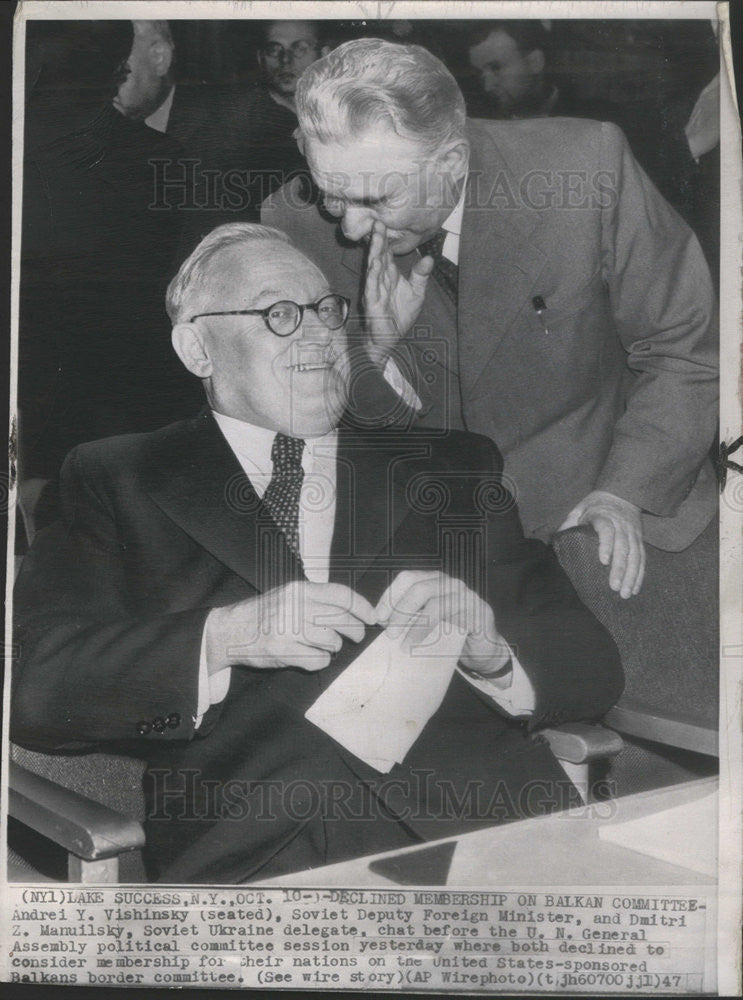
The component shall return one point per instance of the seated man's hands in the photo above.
(619, 527)
(391, 301)
(420, 600)
(298, 625)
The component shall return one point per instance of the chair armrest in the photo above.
(579, 742)
(85, 828)
(671, 729)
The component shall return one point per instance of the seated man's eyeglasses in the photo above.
(283, 318)
(297, 50)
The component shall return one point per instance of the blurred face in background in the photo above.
(147, 81)
(288, 49)
(509, 77)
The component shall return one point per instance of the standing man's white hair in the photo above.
(370, 82)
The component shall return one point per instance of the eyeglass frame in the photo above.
(283, 52)
(264, 313)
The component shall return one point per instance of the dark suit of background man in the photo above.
(208, 580)
(96, 259)
(241, 137)
(571, 317)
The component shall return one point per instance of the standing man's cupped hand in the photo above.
(619, 526)
(391, 301)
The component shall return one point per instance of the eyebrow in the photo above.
(365, 202)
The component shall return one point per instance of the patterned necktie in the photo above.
(282, 494)
(445, 271)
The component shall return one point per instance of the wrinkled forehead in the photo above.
(264, 266)
(366, 166)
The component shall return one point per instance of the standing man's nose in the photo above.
(357, 222)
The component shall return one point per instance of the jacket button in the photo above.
(174, 720)
(158, 724)
(143, 728)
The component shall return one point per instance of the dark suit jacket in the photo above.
(159, 528)
(95, 356)
(621, 394)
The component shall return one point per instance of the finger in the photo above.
(619, 560)
(411, 602)
(641, 572)
(322, 637)
(605, 530)
(635, 563)
(419, 275)
(436, 600)
(352, 630)
(336, 597)
(632, 568)
(398, 587)
(378, 240)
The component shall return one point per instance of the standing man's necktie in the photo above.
(283, 492)
(445, 272)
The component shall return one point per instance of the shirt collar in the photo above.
(453, 222)
(159, 118)
(252, 444)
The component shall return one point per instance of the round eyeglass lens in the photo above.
(283, 318)
(332, 311)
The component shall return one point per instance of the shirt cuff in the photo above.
(516, 699)
(212, 687)
(402, 387)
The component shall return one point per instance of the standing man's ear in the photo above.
(191, 347)
(455, 159)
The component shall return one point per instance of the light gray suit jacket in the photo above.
(621, 393)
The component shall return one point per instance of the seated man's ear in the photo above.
(190, 346)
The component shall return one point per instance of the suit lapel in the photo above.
(199, 484)
(500, 262)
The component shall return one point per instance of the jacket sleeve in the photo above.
(88, 670)
(571, 660)
(664, 308)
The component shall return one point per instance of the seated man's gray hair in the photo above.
(194, 271)
(371, 82)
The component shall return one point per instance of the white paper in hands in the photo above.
(378, 706)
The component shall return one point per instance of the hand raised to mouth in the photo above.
(391, 301)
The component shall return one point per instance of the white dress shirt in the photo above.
(453, 228)
(159, 118)
(251, 446)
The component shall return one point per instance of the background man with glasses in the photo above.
(207, 581)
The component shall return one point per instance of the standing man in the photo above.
(570, 318)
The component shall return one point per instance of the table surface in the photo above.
(561, 849)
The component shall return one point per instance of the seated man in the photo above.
(209, 580)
